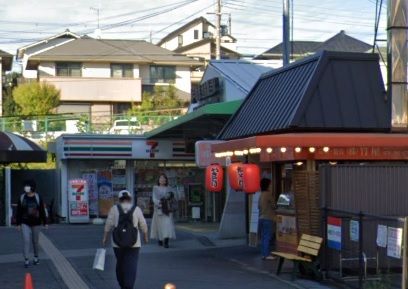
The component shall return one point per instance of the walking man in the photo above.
(30, 216)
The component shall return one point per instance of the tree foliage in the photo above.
(10, 108)
(163, 97)
(36, 98)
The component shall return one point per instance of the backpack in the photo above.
(125, 235)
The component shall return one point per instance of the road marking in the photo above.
(68, 274)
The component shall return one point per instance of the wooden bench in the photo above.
(308, 249)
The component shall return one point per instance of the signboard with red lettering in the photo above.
(78, 201)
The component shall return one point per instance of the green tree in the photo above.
(36, 98)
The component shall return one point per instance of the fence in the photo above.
(51, 126)
(365, 251)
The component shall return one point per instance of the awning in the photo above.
(321, 146)
(203, 123)
(18, 149)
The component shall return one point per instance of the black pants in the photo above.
(126, 266)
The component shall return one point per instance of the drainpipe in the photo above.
(397, 57)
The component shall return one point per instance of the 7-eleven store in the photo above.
(110, 163)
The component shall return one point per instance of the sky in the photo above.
(257, 24)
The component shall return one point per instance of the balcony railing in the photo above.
(97, 89)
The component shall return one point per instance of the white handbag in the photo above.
(99, 261)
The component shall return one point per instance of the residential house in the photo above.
(6, 63)
(23, 53)
(106, 76)
(197, 39)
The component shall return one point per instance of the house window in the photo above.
(196, 34)
(180, 40)
(119, 70)
(73, 69)
(162, 74)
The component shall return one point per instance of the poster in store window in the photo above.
(394, 242)
(105, 192)
(334, 233)
(92, 192)
(354, 230)
(78, 201)
(382, 236)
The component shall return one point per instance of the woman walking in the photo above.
(30, 216)
(162, 222)
(125, 220)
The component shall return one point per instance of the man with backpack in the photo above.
(125, 220)
(30, 216)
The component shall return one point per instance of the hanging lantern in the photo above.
(236, 176)
(214, 178)
(251, 178)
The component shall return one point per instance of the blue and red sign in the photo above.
(334, 233)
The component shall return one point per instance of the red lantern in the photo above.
(236, 176)
(214, 178)
(252, 178)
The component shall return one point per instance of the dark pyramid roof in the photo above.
(329, 91)
(339, 42)
(343, 42)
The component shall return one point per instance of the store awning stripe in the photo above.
(94, 148)
(97, 142)
(97, 155)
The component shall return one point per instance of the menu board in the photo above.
(105, 192)
(118, 181)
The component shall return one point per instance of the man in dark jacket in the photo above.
(30, 216)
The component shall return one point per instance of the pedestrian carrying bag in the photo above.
(99, 261)
(125, 234)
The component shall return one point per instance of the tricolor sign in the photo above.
(334, 233)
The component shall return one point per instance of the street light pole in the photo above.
(286, 33)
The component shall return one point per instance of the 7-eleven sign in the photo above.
(78, 190)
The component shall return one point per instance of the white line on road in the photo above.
(68, 274)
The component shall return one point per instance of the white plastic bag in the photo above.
(99, 261)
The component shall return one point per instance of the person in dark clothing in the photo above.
(30, 216)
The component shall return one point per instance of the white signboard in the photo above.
(394, 240)
(253, 227)
(354, 230)
(382, 236)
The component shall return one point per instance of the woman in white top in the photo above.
(126, 257)
(162, 224)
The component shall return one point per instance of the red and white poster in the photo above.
(78, 201)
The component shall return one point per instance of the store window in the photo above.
(121, 70)
(71, 69)
(162, 74)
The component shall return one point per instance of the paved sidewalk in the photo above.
(196, 260)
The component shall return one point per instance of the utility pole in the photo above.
(286, 33)
(98, 30)
(218, 30)
(229, 24)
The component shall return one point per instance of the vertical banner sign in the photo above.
(394, 240)
(92, 192)
(105, 192)
(78, 201)
(334, 233)
(354, 230)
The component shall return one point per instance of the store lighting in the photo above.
(245, 152)
(326, 149)
(312, 149)
(238, 153)
(298, 149)
(299, 163)
(229, 154)
(333, 163)
(269, 150)
(217, 155)
(255, 150)
(283, 150)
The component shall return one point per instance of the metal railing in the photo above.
(48, 127)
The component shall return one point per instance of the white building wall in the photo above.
(183, 79)
(188, 38)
